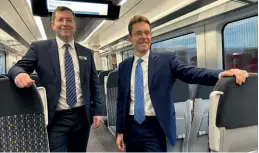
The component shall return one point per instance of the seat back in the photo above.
(112, 93)
(43, 95)
(6, 75)
(183, 106)
(99, 71)
(101, 81)
(37, 80)
(199, 141)
(22, 125)
(3, 76)
(233, 115)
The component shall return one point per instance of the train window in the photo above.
(131, 53)
(2, 62)
(109, 62)
(114, 61)
(240, 41)
(125, 55)
(184, 47)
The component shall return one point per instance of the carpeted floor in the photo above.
(101, 140)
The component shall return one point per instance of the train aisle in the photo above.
(101, 140)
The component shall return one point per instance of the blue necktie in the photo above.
(139, 111)
(70, 78)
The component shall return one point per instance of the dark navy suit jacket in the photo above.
(163, 69)
(43, 57)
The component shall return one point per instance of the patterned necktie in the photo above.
(139, 111)
(70, 78)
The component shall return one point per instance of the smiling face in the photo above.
(64, 25)
(140, 37)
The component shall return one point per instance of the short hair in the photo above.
(136, 19)
(60, 9)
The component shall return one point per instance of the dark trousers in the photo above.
(69, 131)
(145, 137)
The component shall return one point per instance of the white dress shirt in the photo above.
(149, 109)
(62, 103)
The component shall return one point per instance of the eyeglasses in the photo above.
(140, 33)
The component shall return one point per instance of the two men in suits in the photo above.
(67, 71)
(145, 109)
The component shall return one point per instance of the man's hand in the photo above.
(120, 142)
(240, 75)
(97, 121)
(23, 80)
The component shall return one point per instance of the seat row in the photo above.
(221, 118)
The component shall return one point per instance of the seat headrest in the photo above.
(238, 106)
(3, 76)
(16, 101)
(112, 81)
(181, 91)
(37, 80)
(102, 75)
(203, 92)
(98, 71)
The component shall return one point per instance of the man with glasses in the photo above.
(145, 109)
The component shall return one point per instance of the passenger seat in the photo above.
(183, 107)
(22, 124)
(199, 140)
(233, 115)
(111, 103)
(101, 81)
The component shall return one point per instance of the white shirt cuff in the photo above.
(219, 75)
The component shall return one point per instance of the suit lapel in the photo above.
(151, 67)
(128, 73)
(81, 65)
(53, 49)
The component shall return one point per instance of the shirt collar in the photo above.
(61, 43)
(144, 58)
